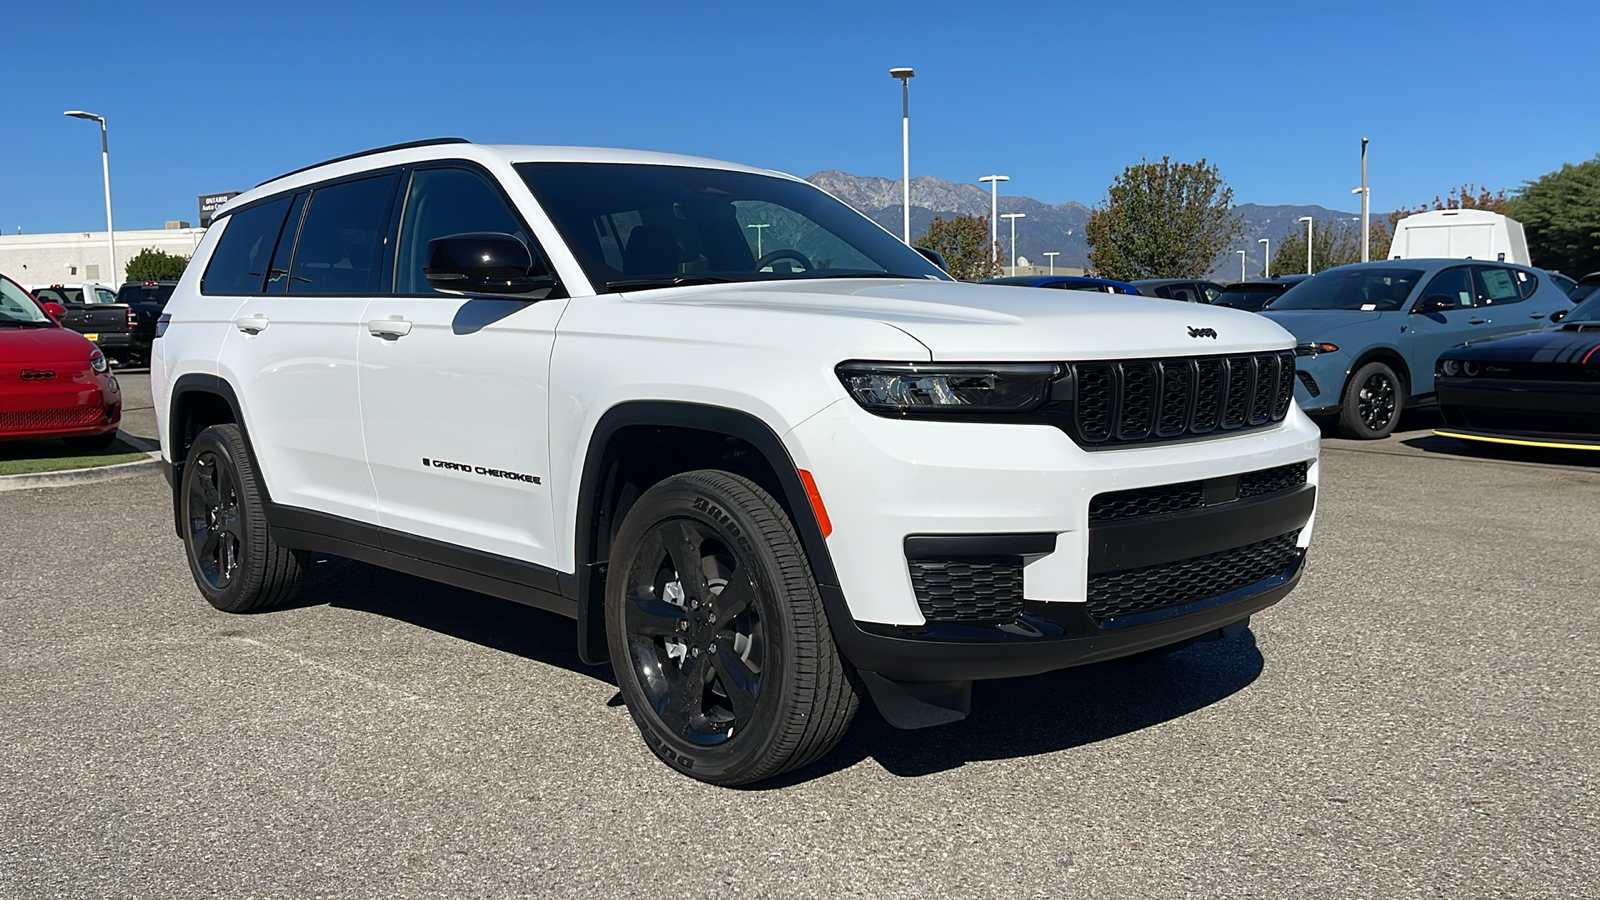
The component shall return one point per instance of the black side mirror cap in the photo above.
(484, 262)
(933, 256)
(1434, 303)
(1558, 315)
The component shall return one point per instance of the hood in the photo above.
(1558, 345)
(43, 345)
(998, 323)
(1318, 324)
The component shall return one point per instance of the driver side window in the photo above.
(451, 201)
(1455, 283)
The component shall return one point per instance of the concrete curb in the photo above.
(87, 476)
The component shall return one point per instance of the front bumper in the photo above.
(1325, 373)
(1561, 414)
(87, 405)
(888, 485)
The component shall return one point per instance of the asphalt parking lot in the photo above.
(1420, 718)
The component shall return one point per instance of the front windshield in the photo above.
(17, 308)
(635, 226)
(1249, 297)
(1365, 289)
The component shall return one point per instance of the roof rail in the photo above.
(430, 142)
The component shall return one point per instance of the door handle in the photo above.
(1478, 321)
(252, 324)
(395, 327)
(1536, 316)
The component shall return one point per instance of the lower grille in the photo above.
(1270, 481)
(38, 419)
(1170, 498)
(1116, 594)
(969, 589)
(1529, 422)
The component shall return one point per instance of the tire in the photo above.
(234, 561)
(93, 443)
(1373, 399)
(730, 679)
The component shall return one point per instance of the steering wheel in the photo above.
(776, 255)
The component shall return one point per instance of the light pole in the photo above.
(1366, 200)
(904, 73)
(1266, 257)
(758, 237)
(1052, 257)
(105, 169)
(1014, 217)
(1241, 264)
(1307, 220)
(994, 212)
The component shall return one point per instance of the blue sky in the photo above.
(1060, 95)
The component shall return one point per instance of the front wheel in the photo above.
(1373, 398)
(717, 633)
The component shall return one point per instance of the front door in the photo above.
(454, 392)
(1431, 333)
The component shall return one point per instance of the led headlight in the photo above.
(939, 389)
(1312, 348)
(97, 360)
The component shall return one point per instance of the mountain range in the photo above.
(1047, 227)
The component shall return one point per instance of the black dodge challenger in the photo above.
(1539, 389)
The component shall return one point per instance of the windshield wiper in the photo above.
(666, 281)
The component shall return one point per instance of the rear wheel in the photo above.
(717, 633)
(1373, 398)
(233, 559)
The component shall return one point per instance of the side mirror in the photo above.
(1558, 315)
(54, 310)
(483, 262)
(933, 256)
(1434, 303)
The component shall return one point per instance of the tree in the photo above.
(1162, 220)
(1334, 242)
(1560, 213)
(964, 243)
(156, 265)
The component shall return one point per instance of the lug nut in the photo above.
(711, 618)
(712, 648)
(683, 624)
(695, 652)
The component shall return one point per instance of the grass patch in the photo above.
(27, 457)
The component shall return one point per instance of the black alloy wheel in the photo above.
(717, 634)
(1372, 403)
(222, 517)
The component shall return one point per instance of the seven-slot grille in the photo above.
(1146, 400)
(1116, 594)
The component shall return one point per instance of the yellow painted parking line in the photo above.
(1520, 443)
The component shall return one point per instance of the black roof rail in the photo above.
(430, 142)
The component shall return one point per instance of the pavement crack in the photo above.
(346, 674)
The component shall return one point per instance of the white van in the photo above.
(1460, 234)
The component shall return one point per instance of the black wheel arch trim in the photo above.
(198, 383)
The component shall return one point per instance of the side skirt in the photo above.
(486, 573)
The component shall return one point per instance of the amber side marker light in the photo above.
(815, 497)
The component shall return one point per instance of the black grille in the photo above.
(1143, 400)
(1310, 383)
(1270, 481)
(1116, 594)
(969, 589)
(1150, 501)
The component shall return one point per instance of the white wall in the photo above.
(82, 256)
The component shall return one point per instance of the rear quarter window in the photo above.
(239, 264)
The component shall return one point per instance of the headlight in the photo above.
(1470, 367)
(1449, 367)
(890, 389)
(1312, 348)
(97, 361)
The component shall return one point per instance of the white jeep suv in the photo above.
(769, 458)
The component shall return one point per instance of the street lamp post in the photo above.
(1266, 257)
(1241, 264)
(1366, 200)
(994, 212)
(1051, 255)
(105, 169)
(1307, 220)
(1014, 217)
(758, 237)
(905, 73)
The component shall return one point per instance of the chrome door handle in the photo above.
(1478, 321)
(252, 324)
(389, 328)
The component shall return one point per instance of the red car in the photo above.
(54, 383)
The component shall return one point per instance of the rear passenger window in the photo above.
(1497, 286)
(341, 238)
(239, 264)
(1527, 284)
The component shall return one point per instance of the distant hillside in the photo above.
(1058, 227)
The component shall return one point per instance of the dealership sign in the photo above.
(210, 203)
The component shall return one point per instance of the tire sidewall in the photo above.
(215, 441)
(1349, 410)
(684, 498)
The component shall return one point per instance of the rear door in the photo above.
(454, 388)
